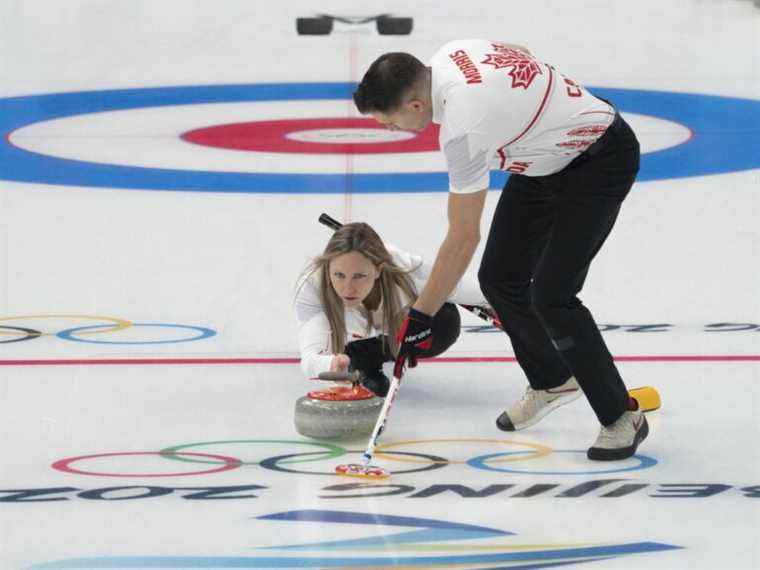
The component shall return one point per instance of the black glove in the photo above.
(414, 337)
(367, 356)
(378, 384)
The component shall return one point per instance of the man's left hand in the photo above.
(414, 336)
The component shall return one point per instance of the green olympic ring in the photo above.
(331, 452)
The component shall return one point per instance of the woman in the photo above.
(352, 300)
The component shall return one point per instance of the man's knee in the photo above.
(490, 276)
(546, 299)
(504, 290)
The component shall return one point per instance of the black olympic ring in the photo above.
(30, 334)
(271, 462)
(76, 334)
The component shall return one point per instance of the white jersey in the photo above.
(314, 331)
(499, 107)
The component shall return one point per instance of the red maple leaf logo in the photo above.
(524, 67)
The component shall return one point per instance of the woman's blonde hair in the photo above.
(360, 237)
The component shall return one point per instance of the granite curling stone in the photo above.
(337, 413)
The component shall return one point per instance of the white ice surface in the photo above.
(685, 253)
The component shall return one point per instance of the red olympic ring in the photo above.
(64, 465)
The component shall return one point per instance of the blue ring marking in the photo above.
(645, 462)
(725, 128)
(68, 334)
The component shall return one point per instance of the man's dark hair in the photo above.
(387, 80)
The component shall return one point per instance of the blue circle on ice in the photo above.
(726, 138)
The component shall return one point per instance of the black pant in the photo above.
(545, 232)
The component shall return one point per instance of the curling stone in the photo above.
(343, 412)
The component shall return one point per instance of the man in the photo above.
(573, 160)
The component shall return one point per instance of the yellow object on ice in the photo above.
(647, 396)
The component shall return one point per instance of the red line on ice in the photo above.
(453, 359)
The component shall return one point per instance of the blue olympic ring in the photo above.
(68, 334)
(645, 462)
(723, 141)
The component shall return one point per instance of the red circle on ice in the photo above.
(65, 464)
(315, 136)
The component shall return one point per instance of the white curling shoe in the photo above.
(535, 404)
(620, 439)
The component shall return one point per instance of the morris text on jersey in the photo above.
(465, 65)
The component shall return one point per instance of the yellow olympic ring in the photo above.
(120, 324)
(539, 450)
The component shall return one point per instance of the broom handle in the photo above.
(381, 419)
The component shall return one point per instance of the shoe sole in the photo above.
(507, 425)
(601, 454)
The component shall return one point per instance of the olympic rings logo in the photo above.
(94, 329)
(511, 457)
